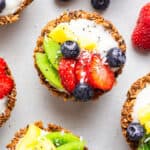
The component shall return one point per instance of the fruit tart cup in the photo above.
(79, 55)
(35, 136)
(10, 10)
(7, 92)
(135, 116)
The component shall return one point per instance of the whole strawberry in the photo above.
(141, 33)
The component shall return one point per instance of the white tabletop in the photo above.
(98, 122)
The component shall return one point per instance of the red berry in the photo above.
(100, 76)
(141, 33)
(81, 68)
(2, 72)
(67, 73)
(6, 85)
(2, 64)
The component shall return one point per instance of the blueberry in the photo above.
(83, 92)
(70, 49)
(135, 131)
(2, 5)
(100, 4)
(115, 57)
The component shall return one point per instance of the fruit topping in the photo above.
(72, 146)
(6, 85)
(67, 73)
(2, 64)
(115, 57)
(53, 52)
(81, 68)
(2, 5)
(144, 114)
(100, 4)
(100, 75)
(83, 92)
(48, 71)
(141, 33)
(30, 137)
(87, 44)
(59, 138)
(62, 33)
(135, 131)
(147, 127)
(37, 139)
(70, 49)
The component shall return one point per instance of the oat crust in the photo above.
(66, 17)
(11, 101)
(14, 17)
(126, 113)
(50, 128)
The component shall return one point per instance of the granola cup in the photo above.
(126, 114)
(50, 128)
(4, 116)
(8, 19)
(67, 17)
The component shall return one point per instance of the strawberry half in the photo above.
(6, 85)
(67, 73)
(81, 68)
(100, 76)
(141, 33)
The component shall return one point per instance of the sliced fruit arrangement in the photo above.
(54, 138)
(7, 92)
(76, 64)
(141, 33)
(135, 118)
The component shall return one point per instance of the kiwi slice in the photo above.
(49, 72)
(59, 138)
(52, 50)
(72, 146)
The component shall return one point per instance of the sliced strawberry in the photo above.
(6, 85)
(81, 68)
(100, 75)
(67, 73)
(2, 64)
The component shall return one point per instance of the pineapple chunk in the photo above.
(147, 127)
(144, 114)
(87, 44)
(62, 33)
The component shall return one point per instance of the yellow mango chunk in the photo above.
(147, 127)
(144, 114)
(87, 44)
(30, 138)
(62, 33)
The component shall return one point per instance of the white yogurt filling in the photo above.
(84, 28)
(3, 104)
(142, 99)
(11, 7)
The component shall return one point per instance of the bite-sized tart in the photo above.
(79, 55)
(135, 116)
(37, 137)
(10, 10)
(7, 92)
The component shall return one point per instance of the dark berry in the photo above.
(83, 92)
(115, 57)
(135, 131)
(100, 4)
(2, 5)
(70, 49)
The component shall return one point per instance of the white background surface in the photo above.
(98, 122)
